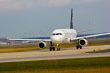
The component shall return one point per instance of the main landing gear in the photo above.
(52, 48)
(78, 47)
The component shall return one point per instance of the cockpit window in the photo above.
(57, 34)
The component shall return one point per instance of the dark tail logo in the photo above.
(71, 21)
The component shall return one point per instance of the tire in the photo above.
(53, 48)
(80, 47)
(50, 48)
(77, 47)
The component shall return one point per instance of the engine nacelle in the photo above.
(42, 44)
(83, 42)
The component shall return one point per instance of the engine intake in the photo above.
(42, 44)
(83, 42)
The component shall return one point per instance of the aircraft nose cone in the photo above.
(57, 39)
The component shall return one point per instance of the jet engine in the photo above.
(42, 44)
(82, 42)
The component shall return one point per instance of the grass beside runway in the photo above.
(89, 65)
(17, 48)
(9, 50)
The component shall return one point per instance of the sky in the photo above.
(38, 18)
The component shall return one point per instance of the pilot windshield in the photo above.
(57, 34)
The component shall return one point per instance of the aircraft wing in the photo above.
(83, 37)
(90, 36)
(29, 39)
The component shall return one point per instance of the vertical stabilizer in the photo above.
(71, 21)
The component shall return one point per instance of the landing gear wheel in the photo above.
(52, 48)
(78, 47)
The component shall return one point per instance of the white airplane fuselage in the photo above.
(60, 36)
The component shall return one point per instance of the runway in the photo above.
(86, 52)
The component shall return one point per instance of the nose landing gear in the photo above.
(58, 48)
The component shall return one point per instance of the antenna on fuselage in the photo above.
(71, 21)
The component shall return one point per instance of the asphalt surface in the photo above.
(86, 52)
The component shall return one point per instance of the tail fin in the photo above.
(71, 21)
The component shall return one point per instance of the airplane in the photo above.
(60, 36)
